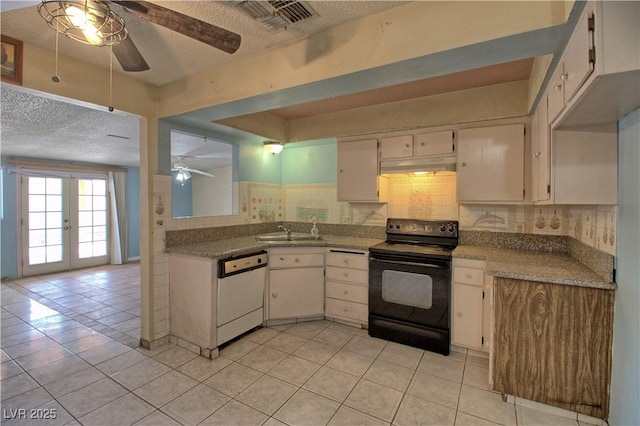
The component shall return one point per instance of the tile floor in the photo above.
(69, 351)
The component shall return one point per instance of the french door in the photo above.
(64, 223)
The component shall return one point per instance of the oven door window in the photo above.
(405, 288)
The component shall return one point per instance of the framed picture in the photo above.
(11, 60)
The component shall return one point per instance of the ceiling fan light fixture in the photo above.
(183, 175)
(273, 147)
(87, 21)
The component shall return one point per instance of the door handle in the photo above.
(66, 228)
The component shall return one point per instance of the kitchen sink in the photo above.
(283, 237)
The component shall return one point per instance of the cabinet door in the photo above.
(577, 63)
(491, 164)
(396, 147)
(295, 293)
(555, 93)
(540, 166)
(436, 143)
(467, 316)
(358, 170)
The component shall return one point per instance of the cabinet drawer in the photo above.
(346, 260)
(295, 260)
(352, 293)
(468, 275)
(348, 310)
(357, 276)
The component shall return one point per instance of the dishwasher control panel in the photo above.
(237, 264)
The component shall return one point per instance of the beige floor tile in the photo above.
(202, 368)
(306, 330)
(38, 359)
(104, 352)
(238, 349)
(333, 337)
(349, 329)
(73, 382)
(175, 356)
(26, 400)
(165, 388)
(233, 379)
(464, 419)
(306, 408)
(138, 374)
(87, 399)
(390, 375)
(236, 413)
(125, 410)
(195, 405)
(331, 383)
(350, 362)
(286, 342)
(262, 358)
(476, 376)
(366, 346)
(10, 369)
(121, 362)
(435, 389)
(261, 335)
(402, 355)
(316, 352)
(441, 366)
(294, 370)
(375, 400)
(51, 414)
(346, 416)
(478, 361)
(416, 411)
(157, 418)
(486, 405)
(273, 422)
(57, 369)
(267, 394)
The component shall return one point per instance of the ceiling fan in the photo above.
(97, 12)
(184, 171)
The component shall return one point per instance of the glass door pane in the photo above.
(92, 225)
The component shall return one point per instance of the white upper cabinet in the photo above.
(540, 154)
(598, 75)
(396, 146)
(358, 179)
(491, 164)
(435, 143)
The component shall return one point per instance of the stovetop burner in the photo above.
(426, 238)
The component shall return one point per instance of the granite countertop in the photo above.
(555, 268)
(243, 245)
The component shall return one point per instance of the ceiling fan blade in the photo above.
(191, 27)
(200, 172)
(129, 56)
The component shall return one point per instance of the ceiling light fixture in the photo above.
(183, 175)
(273, 147)
(87, 21)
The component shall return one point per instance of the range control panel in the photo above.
(434, 228)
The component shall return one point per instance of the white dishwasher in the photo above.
(241, 283)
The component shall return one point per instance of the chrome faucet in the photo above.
(286, 228)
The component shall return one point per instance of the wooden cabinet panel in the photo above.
(491, 164)
(396, 146)
(352, 293)
(357, 178)
(553, 344)
(295, 293)
(348, 260)
(356, 276)
(280, 260)
(347, 310)
(435, 143)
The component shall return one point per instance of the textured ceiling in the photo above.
(173, 56)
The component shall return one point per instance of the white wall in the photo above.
(625, 380)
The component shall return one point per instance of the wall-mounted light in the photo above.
(273, 147)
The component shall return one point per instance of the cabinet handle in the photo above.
(421, 143)
(464, 164)
(341, 171)
(346, 309)
(274, 294)
(346, 292)
(346, 261)
(296, 260)
(459, 314)
(406, 146)
(346, 275)
(557, 87)
(468, 275)
(564, 76)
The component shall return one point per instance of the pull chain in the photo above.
(55, 78)
(111, 78)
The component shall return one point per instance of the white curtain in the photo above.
(118, 217)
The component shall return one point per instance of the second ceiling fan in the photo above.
(88, 17)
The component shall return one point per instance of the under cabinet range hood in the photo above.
(417, 165)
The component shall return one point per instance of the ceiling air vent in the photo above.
(278, 14)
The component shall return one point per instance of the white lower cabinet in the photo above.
(347, 285)
(296, 283)
(470, 305)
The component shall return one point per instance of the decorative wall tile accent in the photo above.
(429, 196)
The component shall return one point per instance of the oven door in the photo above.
(409, 300)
